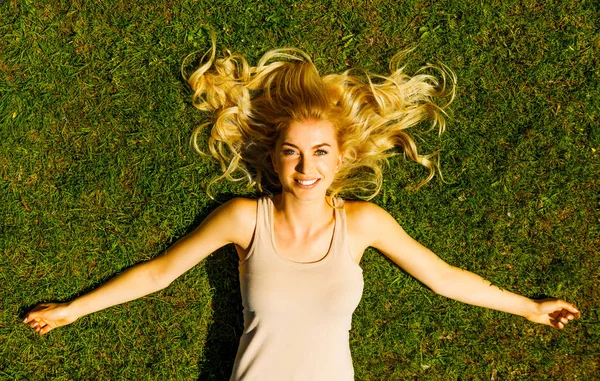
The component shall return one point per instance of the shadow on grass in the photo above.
(224, 333)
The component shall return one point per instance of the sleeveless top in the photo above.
(297, 316)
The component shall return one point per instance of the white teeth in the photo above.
(307, 182)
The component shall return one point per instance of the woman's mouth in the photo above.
(307, 184)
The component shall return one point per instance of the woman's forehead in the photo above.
(309, 133)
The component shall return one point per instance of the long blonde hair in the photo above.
(251, 105)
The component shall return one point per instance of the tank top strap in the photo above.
(340, 235)
(262, 233)
(262, 236)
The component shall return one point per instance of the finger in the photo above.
(563, 320)
(569, 307)
(562, 317)
(29, 317)
(40, 325)
(567, 315)
(555, 323)
(564, 313)
(37, 323)
(34, 313)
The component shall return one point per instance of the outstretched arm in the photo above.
(458, 284)
(156, 274)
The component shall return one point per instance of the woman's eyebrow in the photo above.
(317, 146)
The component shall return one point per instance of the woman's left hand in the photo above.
(554, 312)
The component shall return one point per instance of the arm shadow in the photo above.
(227, 325)
(226, 329)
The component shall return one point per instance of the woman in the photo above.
(307, 139)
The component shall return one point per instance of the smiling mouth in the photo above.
(307, 183)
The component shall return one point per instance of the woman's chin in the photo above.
(306, 194)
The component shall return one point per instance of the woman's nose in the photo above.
(304, 165)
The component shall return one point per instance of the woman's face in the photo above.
(306, 158)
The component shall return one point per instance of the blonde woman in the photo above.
(305, 139)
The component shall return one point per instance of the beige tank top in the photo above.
(297, 316)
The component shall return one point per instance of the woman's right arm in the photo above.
(232, 222)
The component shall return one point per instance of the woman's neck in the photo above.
(302, 215)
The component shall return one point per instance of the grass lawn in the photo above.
(96, 174)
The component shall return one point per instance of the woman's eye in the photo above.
(320, 152)
(288, 152)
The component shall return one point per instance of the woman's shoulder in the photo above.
(241, 207)
(364, 215)
(362, 209)
(239, 212)
(240, 217)
(365, 220)
(367, 216)
(369, 224)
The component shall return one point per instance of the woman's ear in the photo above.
(339, 162)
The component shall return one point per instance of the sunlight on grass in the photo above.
(96, 174)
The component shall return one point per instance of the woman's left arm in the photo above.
(452, 282)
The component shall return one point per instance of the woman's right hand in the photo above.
(47, 316)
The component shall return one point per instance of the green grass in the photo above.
(96, 174)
